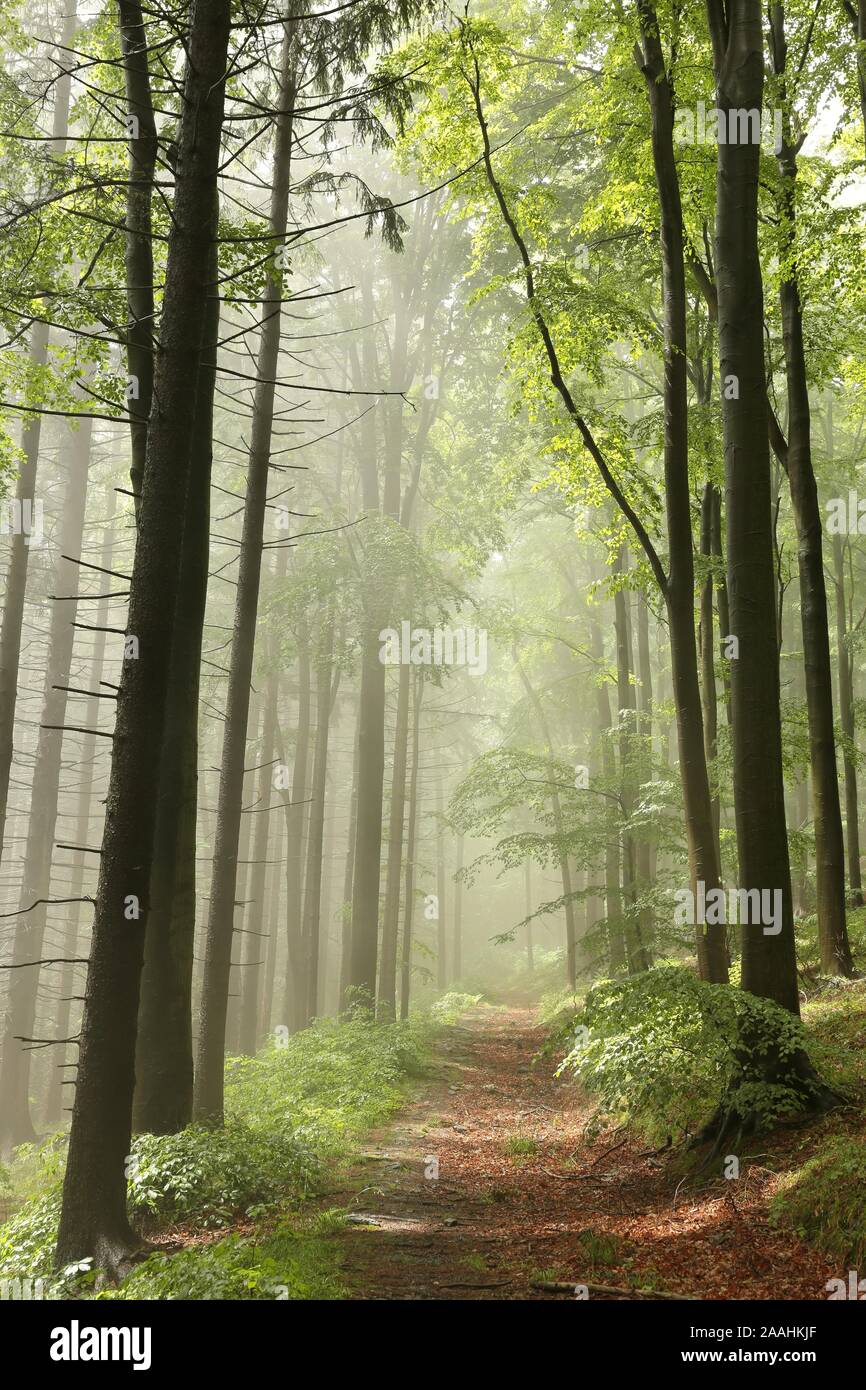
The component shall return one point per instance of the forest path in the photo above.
(567, 1210)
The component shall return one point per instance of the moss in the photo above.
(823, 1201)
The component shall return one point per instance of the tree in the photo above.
(94, 1222)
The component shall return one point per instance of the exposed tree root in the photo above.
(112, 1254)
(735, 1120)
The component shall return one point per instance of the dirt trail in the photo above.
(564, 1209)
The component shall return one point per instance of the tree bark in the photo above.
(368, 841)
(457, 934)
(208, 1098)
(829, 844)
(251, 978)
(386, 1004)
(613, 898)
(164, 1045)
(94, 1220)
(679, 590)
(409, 905)
(312, 922)
(16, 1126)
(348, 879)
(441, 934)
(845, 660)
(143, 149)
(296, 820)
(769, 964)
(85, 815)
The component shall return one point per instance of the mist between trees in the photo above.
(418, 435)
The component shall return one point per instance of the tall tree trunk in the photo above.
(457, 933)
(326, 1003)
(85, 830)
(25, 491)
(645, 846)
(312, 922)
(829, 843)
(242, 902)
(709, 499)
(856, 12)
(274, 902)
(16, 1126)
(143, 149)
(366, 877)
(411, 837)
(679, 588)
(208, 1100)
(636, 958)
(845, 659)
(164, 1046)
(251, 979)
(296, 821)
(613, 898)
(441, 936)
(527, 872)
(769, 964)
(386, 1004)
(368, 834)
(565, 865)
(16, 581)
(94, 1220)
(348, 879)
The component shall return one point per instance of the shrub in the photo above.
(327, 1083)
(27, 1239)
(283, 1266)
(449, 1007)
(210, 1174)
(664, 1050)
(287, 1110)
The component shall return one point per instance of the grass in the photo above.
(823, 1200)
(520, 1146)
(301, 1104)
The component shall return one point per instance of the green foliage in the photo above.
(27, 1239)
(207, 1175)
(520, 1146)
(600, 1249)
(808, 947)
(557, 1007)
(285, 1265)
(449, 1007)
(663, 1050)
(288, 1109)
(823, 1200)
(328, 1083)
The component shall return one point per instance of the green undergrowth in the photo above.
(808, 951)
(284, 1264)
(450, 1007)
(823, 1200)
(658, 1052)
(661, 1051)
(300, 1105)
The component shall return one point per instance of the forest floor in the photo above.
(523, 1195)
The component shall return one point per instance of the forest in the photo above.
(433, 652)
